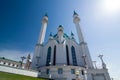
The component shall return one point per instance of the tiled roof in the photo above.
(65, 36)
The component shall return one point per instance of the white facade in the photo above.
(10, 63)
(62, 58)
(18, 71)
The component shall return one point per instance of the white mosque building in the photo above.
(62, 58)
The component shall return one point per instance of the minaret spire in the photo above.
(76, 20)
(75, 13)
(43, 29)
(50, 36)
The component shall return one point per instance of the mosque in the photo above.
(62, 58)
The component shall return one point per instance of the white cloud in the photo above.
(13, 54)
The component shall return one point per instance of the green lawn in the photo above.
(9, 76)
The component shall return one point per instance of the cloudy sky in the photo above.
(20, 23)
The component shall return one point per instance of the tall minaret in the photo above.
(43, 29)
(76, 20)
(83, 44)
(37, 55)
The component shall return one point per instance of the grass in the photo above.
(9, 76)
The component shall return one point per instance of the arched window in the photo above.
(47, 71)
(48, 56)
(54, 57)
(82, 72)
(74, 56)
(67, 55)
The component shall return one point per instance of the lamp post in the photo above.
(84, 58)
(64, 70)
(49, 72)
(22, 60)
(77, 75)
(28, 62)
(103, 64)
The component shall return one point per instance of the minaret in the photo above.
(43, 29)
(85, 52)
(36, 57)
(76, 20)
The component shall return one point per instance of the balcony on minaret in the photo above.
(45, 19)
(43, 30)
(76, 18)
(60, 34)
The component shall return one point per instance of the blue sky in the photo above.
(20, 23)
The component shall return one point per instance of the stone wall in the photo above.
(18, 71)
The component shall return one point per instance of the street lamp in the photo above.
(50, 68)
(103, 64)
(22, 60)
(77, 75)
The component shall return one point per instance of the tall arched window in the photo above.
(54, 57)
(48, 57)
(67, 55)
(74, 56)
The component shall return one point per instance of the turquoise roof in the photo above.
(60, 26)
(46, 15)
(50, 34)
(75, 13)
(65, 36)
(55, 36)
(72, 34)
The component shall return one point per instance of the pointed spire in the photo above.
(46, 15)
(72, 33)
(50, 34)
(75, 13)
(60, 26)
